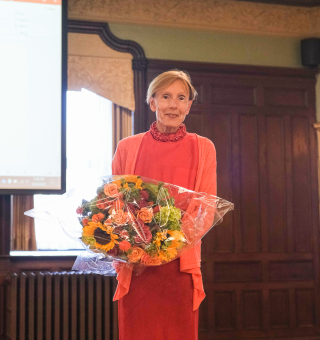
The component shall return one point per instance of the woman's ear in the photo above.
(189, 106)
(153, 104)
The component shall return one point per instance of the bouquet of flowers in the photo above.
(135, 220)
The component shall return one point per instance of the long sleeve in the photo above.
(207, 182)
(117, 163)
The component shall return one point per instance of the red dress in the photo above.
(159, 305)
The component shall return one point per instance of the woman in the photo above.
(163, 302)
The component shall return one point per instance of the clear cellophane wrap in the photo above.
(133, 219)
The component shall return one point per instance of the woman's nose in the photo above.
(173, 103)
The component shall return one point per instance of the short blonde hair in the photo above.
(165, 79)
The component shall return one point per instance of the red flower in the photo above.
(97, 217)
(142, 204)
(144, 234)
(113, 252)
(85, 222)
(132, 208)
(125, 245)
(144, 195)
(124, 234)
(156, 209)
(79, 210)
(117, 230)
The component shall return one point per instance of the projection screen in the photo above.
(33, 66)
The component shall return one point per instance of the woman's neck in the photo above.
(166, 129)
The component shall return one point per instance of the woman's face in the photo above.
(171, 106)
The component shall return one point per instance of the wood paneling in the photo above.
(306, 308)
(261, 265)
(277, 228)
(252, 309)
(302, 3)
(280, 307)
(291, 271)
(285, 97)
(225, 311)
(237, 272)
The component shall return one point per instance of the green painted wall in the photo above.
(189, 45)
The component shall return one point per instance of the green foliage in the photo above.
(100, 190)
(169, 217)
(90, 240)
(166, 244)
(151, 249)
(152, 190)
(93, 207)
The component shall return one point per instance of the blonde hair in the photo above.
(165, 79)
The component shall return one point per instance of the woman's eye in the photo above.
(165, 96)
(182, 98)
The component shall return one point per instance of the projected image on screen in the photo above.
(30, 89)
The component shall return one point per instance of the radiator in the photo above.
(62, 305)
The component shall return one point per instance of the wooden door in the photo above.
(261, 266)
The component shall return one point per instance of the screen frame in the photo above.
(64, 87)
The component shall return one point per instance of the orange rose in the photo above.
(145, 214)
(85, 222)
(125, 245)
(108, 222)
(97, 217)
(150, 261)
(118, 204)
(111, 189)
(102, 203)
(120, 217)
(136, 254)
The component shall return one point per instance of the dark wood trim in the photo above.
(139, 64)
(103, 30)
(5, 224)
(301, 3)
(162, 65)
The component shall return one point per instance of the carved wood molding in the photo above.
(102, 29)
(139, 64)
(160, 65)
(317, 127)
(212, 15)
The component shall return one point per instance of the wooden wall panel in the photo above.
(237, 272)
(238, 96)
(305, 308)
(291, 271)
(275, 150)
(252, 309)
(225, 311)
(219, 125)
(280, 309)
(302, 185)
(249, 167)
(286, 97)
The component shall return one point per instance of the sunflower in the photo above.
(163, 256)
(171, 252)
(104, 237)
(128, 178)
(89, 229)
(176, 238)
(99, 235)
(160, 237)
